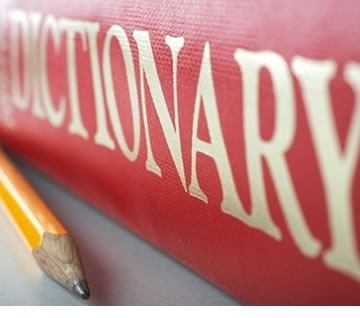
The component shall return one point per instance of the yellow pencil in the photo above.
(51, 245)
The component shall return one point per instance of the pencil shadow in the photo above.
(96, 275)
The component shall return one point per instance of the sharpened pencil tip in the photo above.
(59, 258)
(81, 288)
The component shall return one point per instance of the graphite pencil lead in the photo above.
(81, 288)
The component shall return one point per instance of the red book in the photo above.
(227, 133)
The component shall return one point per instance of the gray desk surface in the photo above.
(135, 274)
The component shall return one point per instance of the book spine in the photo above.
(225, 133)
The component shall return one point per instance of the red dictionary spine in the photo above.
(227, 133)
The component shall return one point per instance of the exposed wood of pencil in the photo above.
(58, 256)
(51, 245)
